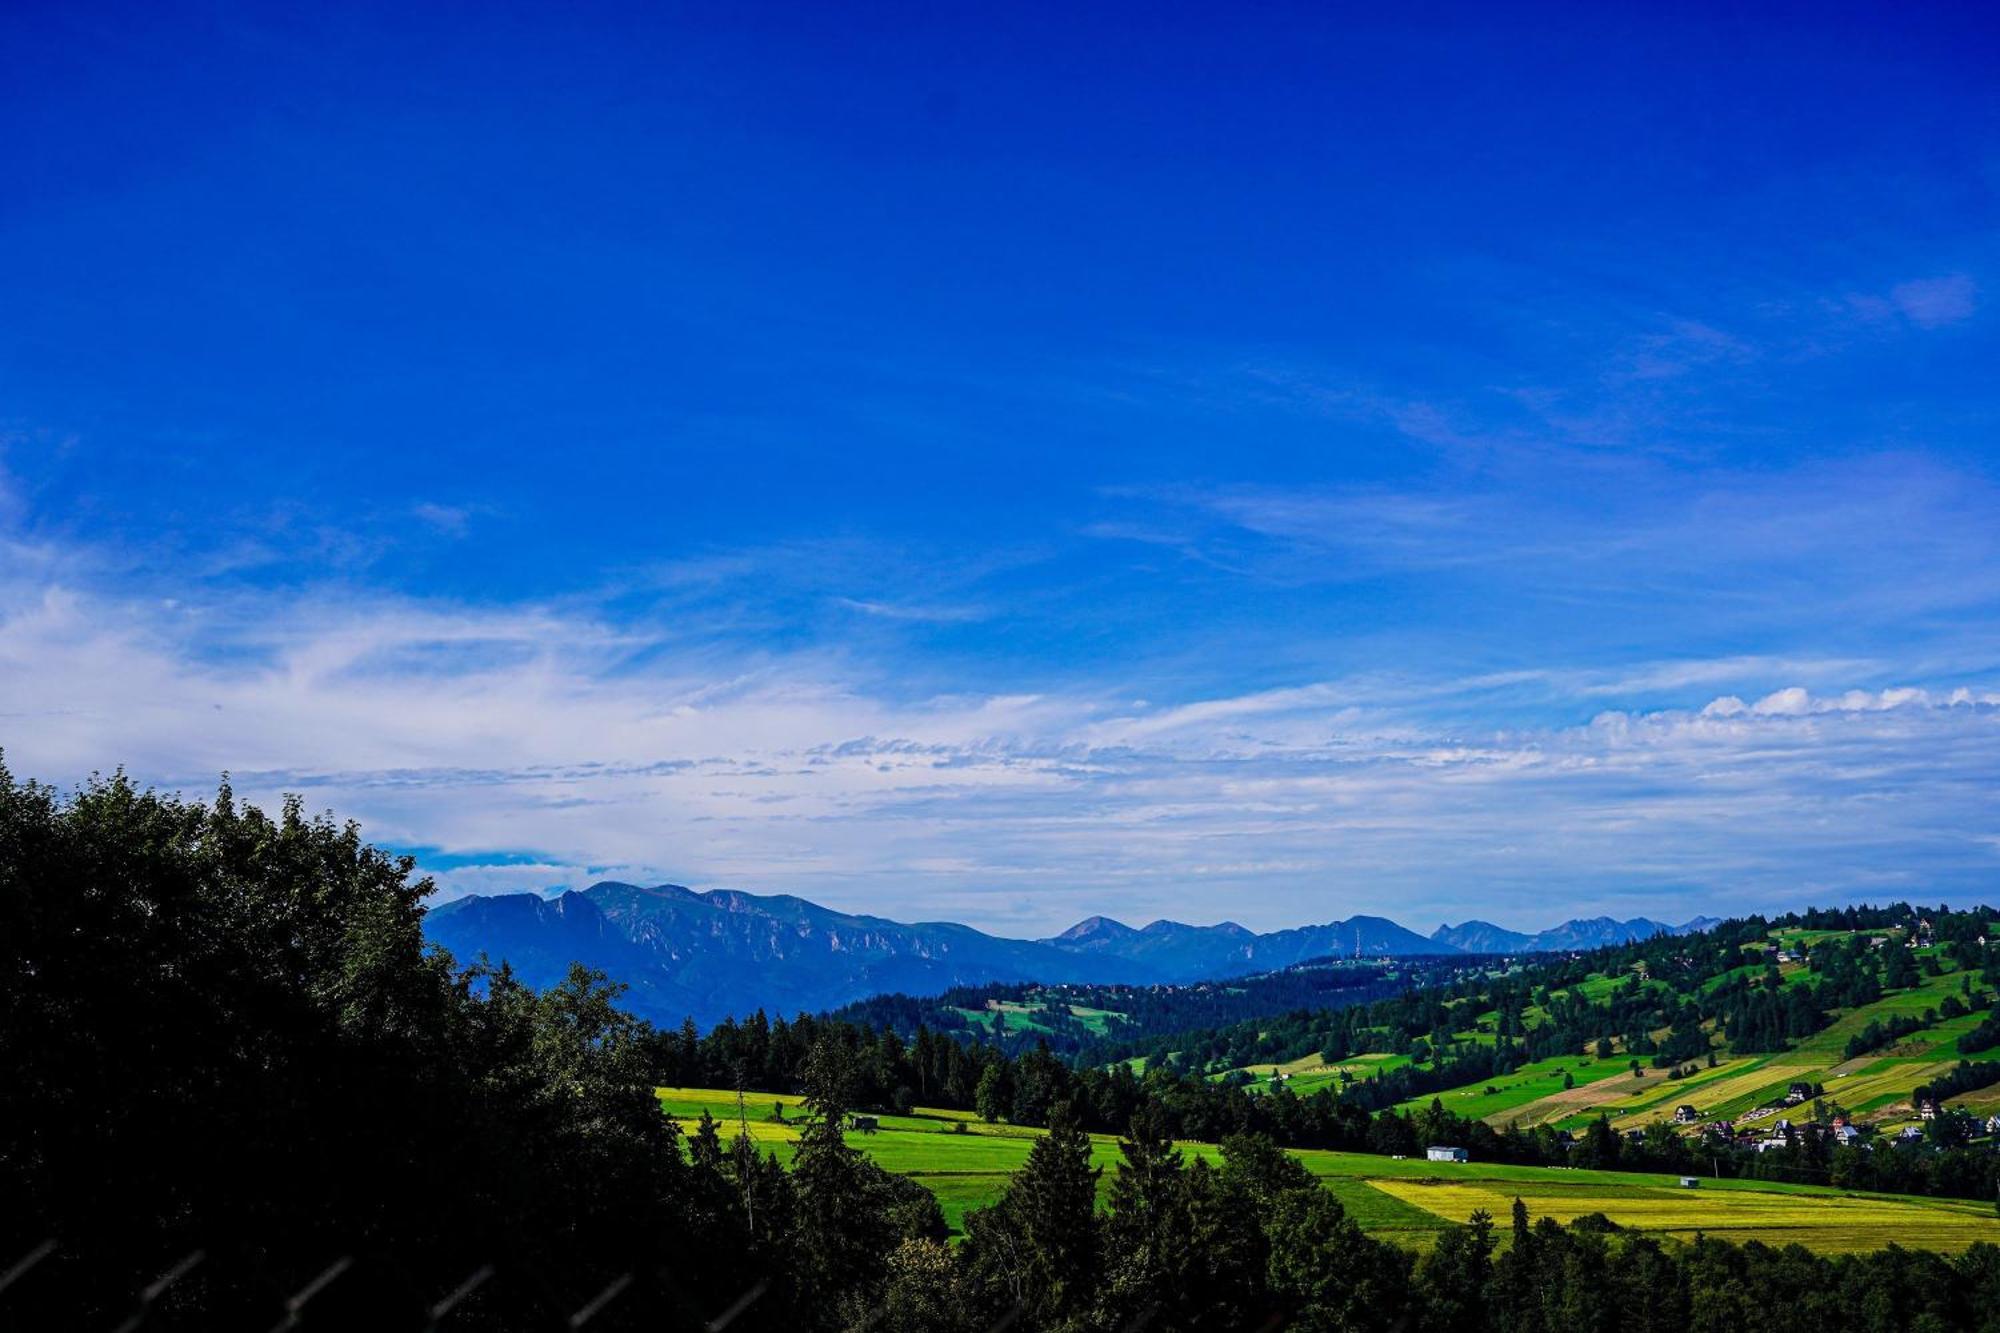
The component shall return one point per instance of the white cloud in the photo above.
(1790, 702)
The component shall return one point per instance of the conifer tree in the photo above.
(1038, 1250)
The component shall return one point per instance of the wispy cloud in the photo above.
(581, 748)
(450, 520)
(901, 611)
(1931, 303)
(1886, 534)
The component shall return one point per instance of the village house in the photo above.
(1687, 1115)
(1798, 1092)
(1928, 1108)
(1846, 1134)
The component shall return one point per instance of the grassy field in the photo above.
(1032, 1015)
(1310, 1073)
(1408, 1202)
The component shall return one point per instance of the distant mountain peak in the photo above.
(1096, 928)
(1483, 937)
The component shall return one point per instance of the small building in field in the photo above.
(1690, 1182)
(863, 1124)
(1442, 1154)
(1686, 1115)
(1927, 1108)
(1798, 1092)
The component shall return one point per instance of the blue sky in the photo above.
(1011, 465)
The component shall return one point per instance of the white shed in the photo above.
(1440, 1154)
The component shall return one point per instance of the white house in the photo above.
(1442, 1154)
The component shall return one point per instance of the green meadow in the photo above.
(966, 1162)
(1036, 1013)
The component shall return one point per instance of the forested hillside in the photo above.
(1095, 1024)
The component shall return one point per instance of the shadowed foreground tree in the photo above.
(223, 1033)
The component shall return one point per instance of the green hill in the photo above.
(1874, 1089)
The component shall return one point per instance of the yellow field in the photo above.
(1824, 1223)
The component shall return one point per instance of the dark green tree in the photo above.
(1038, 1250)
(1454, 1277)
(1149, 1232)
(1329, 1275)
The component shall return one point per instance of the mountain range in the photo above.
(1577, 933)
(710, 954)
